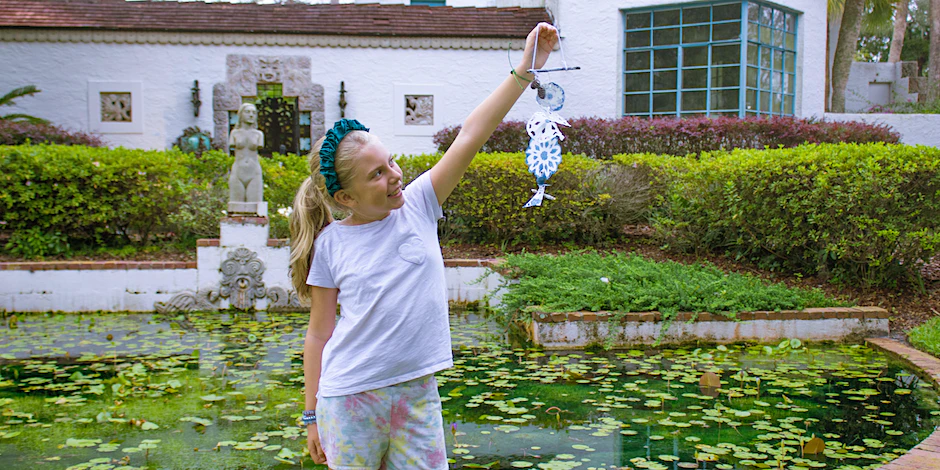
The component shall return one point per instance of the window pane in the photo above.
(728, 11)
(787, 104)
(752, 32)
(778, 38)
(753, 51)
(637, 60)
(765, 79)
(665, 37)
(695, 56)
(752, 77)
(694, 100)
(790, 41)
(790, 62)
(753, 12)
(724, 99)
(766, 16)
(765, 55)
(778, 82)
(666, 18)
(665, 80)
(726, 31)
(766, 35)
(694, 34)
(696, 15)
(637, 82)
(791, 23)
(778, 20)
(778, 103)
(750, 100)
(694, 78)
(664, 102)
(666, 58)
(636, 104)
(764, 101)
(778, 60)
(638, 39)
(638, 20)
(730, 54)
(790, 83)
(725, 76)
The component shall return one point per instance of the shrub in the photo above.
(602, 138)
(19, 133)
(926, 337)
(865, 214)
(621, 282)
(34, 243)
(89, 194)
(594, 200)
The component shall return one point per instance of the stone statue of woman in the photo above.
(246, 188)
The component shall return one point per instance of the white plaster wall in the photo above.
(915, 129)
(167, 72)
(592, 36)
(863, 74)
(137, 290)
(593, 39)
(91, 290)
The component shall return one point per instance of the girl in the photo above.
(371, 397)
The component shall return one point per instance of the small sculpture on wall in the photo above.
(241, 279)
(194, 140)
(419, 110)
(246, 187)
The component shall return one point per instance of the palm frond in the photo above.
(20, 92)
(23, 117)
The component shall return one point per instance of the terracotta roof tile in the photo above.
(327, 19)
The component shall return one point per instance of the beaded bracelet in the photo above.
(308, 417)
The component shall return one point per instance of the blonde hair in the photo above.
(314, 207)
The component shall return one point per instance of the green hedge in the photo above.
(53, 196)
(593, 200)
(864, 214)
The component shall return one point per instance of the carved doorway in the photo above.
(279, 120)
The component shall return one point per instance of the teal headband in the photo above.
(328, 150)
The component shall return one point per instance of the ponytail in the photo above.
(314, 207)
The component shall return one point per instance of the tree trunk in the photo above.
(845, 51)
(933, 75)
(900, 29)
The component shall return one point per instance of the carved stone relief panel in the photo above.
(116, 107)
(241, 279)
(244, 73)
(419, 110)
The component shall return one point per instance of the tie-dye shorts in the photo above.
(395, 427)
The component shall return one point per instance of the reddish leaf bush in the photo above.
(19, 133)
(602, 138)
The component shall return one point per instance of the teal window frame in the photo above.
(739, 61)
(430, 3)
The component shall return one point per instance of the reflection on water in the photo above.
(223, 391)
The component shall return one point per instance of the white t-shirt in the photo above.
(393, 324)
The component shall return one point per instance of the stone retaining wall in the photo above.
(582, 329)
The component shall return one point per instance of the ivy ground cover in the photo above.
(224, 391)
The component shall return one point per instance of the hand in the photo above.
(313, 445)
(547, 37)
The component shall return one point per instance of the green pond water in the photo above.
(224, 390)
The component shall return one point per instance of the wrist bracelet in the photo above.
(517, 77)
(308, 417)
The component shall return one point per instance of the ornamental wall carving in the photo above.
(243, 74)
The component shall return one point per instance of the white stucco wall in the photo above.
(915, 129)
(592, 36)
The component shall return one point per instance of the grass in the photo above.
(630, 283)
(926, 337)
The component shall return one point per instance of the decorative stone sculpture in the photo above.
(241, 279)
(246, 188)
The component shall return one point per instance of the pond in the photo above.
(223, 391)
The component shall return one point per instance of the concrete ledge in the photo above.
(272, 242)
(574, 330)
(926, 454)
(95, 265)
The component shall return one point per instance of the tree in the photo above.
(7, 100)
(849, 29)
(933, 76)
(900, 30)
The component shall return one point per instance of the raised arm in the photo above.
(481, 123)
